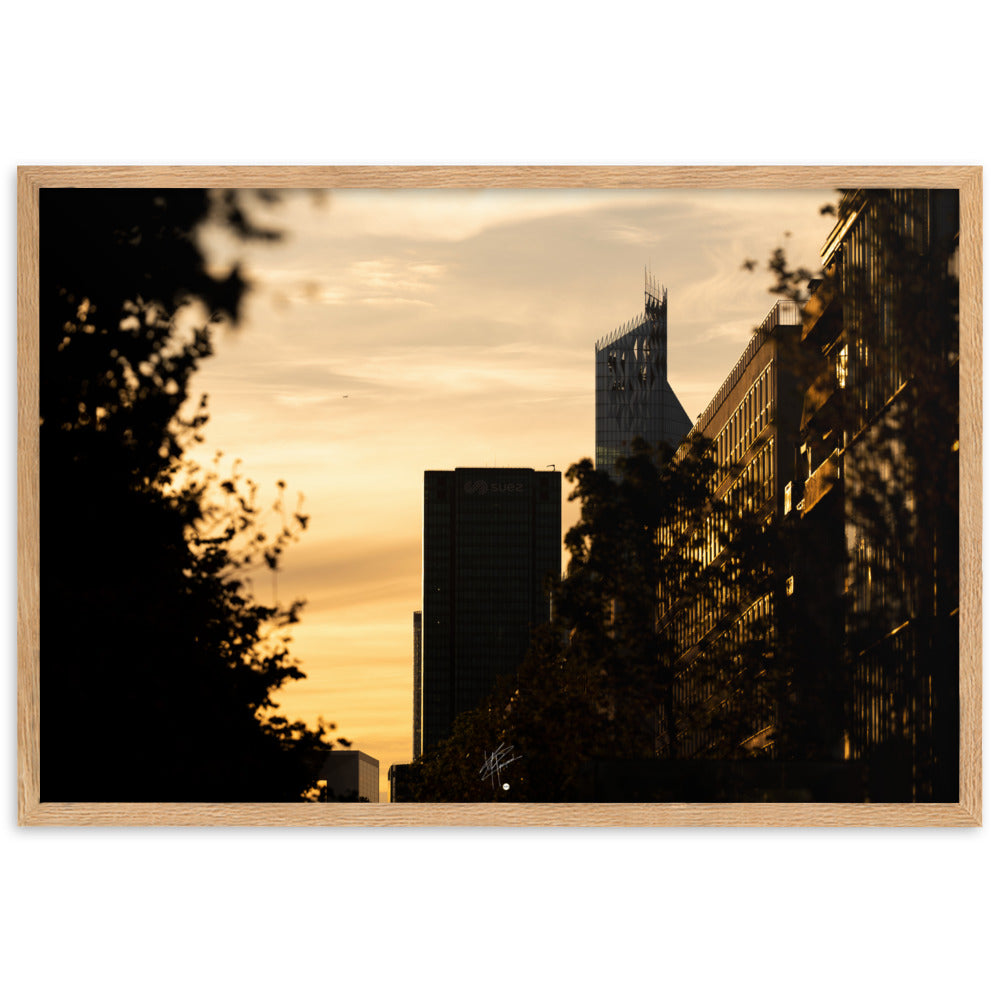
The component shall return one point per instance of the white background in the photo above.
(701, 913)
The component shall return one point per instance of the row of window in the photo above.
(705, 612)
(749, 418)
(705, 689)
(751, 491)
(755, 484)
(877, 365)
(889, 702)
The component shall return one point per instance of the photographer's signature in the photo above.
(495, 762)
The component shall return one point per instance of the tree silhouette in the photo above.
(158, 668)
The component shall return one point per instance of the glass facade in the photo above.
(492, 539)
(633, 397)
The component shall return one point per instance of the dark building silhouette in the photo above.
(492, 540)
(417, 683)
(633, 397)
(350, 775)
(879, 466)
(402, 779)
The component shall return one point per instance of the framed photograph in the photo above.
(500, 496)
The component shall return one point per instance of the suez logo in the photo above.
(479, 487)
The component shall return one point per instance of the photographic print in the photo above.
(499, 496)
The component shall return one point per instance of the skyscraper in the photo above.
(492, 537)
(634, 398)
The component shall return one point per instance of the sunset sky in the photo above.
(391, 332)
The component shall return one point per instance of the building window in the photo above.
(842, 367)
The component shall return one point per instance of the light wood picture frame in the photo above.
(966, 812)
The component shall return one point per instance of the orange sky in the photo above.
(391, 332)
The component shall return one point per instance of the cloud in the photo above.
(457, 216)
(638, 235)
(342, 573)
(379, 281)
(300, 399)
(398, 301)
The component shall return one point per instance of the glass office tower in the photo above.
(634, 398)
(492, 539)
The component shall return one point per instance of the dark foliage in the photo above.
(158, 667)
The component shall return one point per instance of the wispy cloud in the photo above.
(382, 281)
